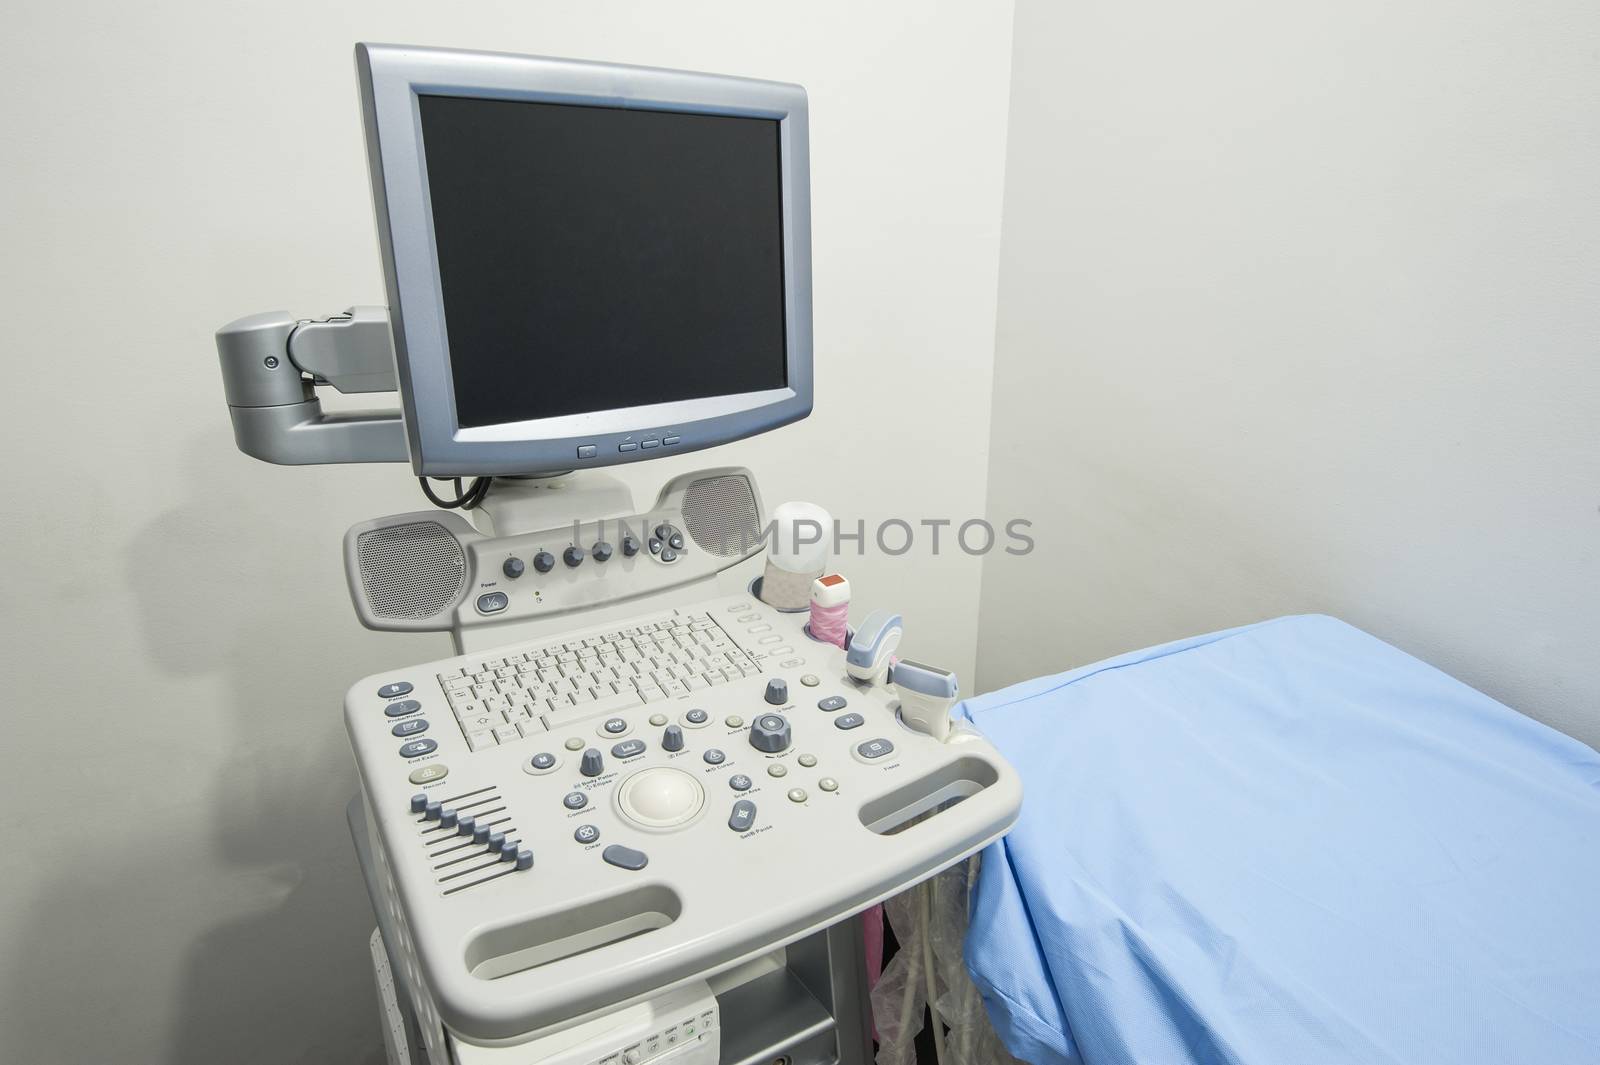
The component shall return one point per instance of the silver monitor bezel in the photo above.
(392, 78)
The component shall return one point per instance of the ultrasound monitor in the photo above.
(586, 265)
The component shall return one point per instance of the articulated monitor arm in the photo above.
(271, 366)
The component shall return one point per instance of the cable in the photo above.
(471, 499)
(934, 1020)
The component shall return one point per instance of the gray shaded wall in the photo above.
(1300, 311)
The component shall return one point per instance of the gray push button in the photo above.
(874, 748)
(586, 834)
(743, 816)
(714, 757)
(849, 721)
(575, 800)
(410, 728)
(542, 761)
(586, 451)
(831, 703)
(627, 748)
(394, 690)
(627, 445)
(418, 748)
(739, 782)
(697, 717)
(625, 857)
(402, 708)
(615, 725)
(493, 602)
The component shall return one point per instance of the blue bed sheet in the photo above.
(1288, 844)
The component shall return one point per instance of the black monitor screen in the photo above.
(597, 257)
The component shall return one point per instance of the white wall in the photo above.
(178, 884)
(1300, 311)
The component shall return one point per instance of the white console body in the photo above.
(793, 798)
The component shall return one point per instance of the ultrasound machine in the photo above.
(631, 820)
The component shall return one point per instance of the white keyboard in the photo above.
(524, 693)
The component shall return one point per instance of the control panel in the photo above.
(432, 571)
(678, 1028)
(576, 566)
(576, 823)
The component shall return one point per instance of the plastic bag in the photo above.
(930, 923)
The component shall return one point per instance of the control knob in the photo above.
(777, 691)
(573, 555)
(769, 733)
(593, 764)
(672, 739)
(544, 562)
(512, 567)
(630, 545)
(601, 551)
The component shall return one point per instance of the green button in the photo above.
(574, 744)
(828, 784)
(777, 769)
(658, 719)
(808, 760)
(733, 721)
(429, 773)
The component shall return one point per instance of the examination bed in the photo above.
(1289, 844)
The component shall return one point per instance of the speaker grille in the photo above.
(720, 513)
(411, 571)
